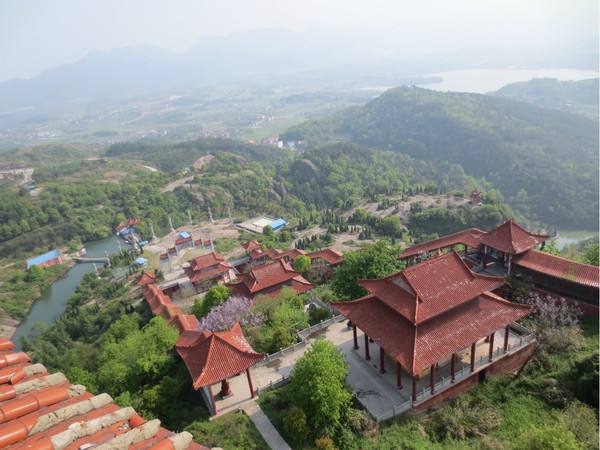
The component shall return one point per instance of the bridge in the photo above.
(99, 259)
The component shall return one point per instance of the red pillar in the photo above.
(473, 345)
(453, 366)
(506, 333)
(491, 352)
(381, 360)
(399, 375)
(415, 379)
(250, 382)
(367, 355)
(355, 337)
(432, 378)
(225, 390)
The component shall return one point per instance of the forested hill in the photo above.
(544, 162)
(580, 97)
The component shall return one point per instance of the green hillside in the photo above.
(580, 97)
(544, 162)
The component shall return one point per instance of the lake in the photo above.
(486, 80)
(54, 299)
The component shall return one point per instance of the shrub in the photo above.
(463, 418)
(583, 423)
(547, 437)
(294, 424)
(360, 423)
(316, 315)
(324, 443)
(585, 377)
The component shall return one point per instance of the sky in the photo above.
(36, 35)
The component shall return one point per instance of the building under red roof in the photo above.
(208, 270)
(44, 411)
(210, 357)
(430, 312)
(290, 255)
(511, 238)
(269, 279)
(330, 256)
(468, 238)
(146, 278)
(251, 245)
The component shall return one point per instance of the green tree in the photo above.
(216, 295)
(373, 261)
(548, 437)
(550, 247)
(590, 255)
(302, 264)
(268, 231)
(317, 386)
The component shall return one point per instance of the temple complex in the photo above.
(209, 270)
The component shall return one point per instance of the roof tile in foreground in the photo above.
(42, 411)
(556, 266)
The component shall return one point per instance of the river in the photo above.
(54, 299)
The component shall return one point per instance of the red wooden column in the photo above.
(381, 360)
(473, 345)
(398, 375)
(415, 379)
(355, 337)
(367, 355)
(432, 378)
(453, 367)
(491, 352)
(250, 382)
(506, 333)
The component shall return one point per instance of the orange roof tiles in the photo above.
(251, 245)
(268, 276)
(205, 261)
(556, 266)
(329, 255)
(469, 237)
(511, 238)
(146, 278)
(291, 254)
(44, 411)
(207, 266)
(418, 346)
(213, 357)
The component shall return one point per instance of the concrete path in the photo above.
(265, 427)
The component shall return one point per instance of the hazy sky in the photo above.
(37, 34)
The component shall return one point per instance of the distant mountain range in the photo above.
(580, 97)
(255, 58)
(544, 162)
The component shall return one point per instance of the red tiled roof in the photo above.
(270, 275)
(511, 238)
(418, 346)
(271, 253)
(556, 266)
(469, 237)
(186, 322)
(329, 255)
(213, 357)
(183, 240)
(430, 288)
(146, 278)
(207, 260)
(219, 270)
(156, 298)
(38, 409)
(251, 245)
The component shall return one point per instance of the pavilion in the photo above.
(213, 357)
(209, 270)
(429, 316)
(510, 249)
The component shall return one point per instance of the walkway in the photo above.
(264, 426)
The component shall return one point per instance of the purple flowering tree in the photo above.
(554, 321)
(235, 309)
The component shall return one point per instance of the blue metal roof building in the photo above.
(41, 259)
(278, 224)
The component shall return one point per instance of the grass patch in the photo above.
(233, 431)
(225, 244)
